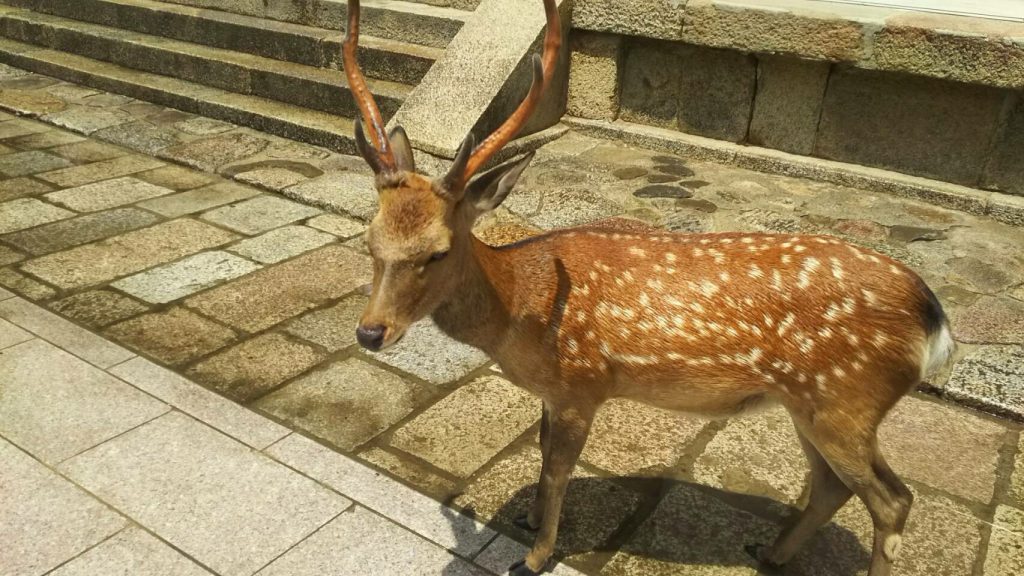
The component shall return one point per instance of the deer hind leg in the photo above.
(856, 460)
(567, 434)
(826, 494)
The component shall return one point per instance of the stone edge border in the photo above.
(1004, 208)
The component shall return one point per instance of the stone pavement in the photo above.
(246, 278)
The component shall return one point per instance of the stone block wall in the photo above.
(965, 133)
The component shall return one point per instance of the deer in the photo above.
(714, 324)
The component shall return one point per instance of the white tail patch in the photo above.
(938, 348)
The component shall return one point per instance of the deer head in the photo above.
(420, 238)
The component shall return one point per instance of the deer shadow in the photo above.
(651, 525)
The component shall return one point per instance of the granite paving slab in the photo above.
(15, 128)
(88, 119)
(176, 177)
(281, 243)
(231, 508)
(630, 438)
(101, 170)
(80, 230)
(28, 212)
(107, 194)
(990, 378)
(173, 336)
(44, 519)
(259, 214)
(338, 225)
(186, 276)
(18, 187)
(199, 199)
(214, 410)
(427, 352)
(98, 308)
(79, 341)
(131, 551)
(594, 509)
(415, 511)
(25, 286)
(333, 328)
(54, 405)
(360, 541)
(1006, 545)
(345, 403)
(126, 254)
(278, 293)
(251, 369)
(30, 162)
(11, 334)
(349, 192)
(491, 412)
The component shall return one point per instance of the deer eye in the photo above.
(437, 256)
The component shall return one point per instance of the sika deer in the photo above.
(703, 323)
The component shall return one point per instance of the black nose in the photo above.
(370, 337)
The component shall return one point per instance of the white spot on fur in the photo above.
(655, 284)
(593, 275)
(839, 372)
(755, 271)
(785, 324)
(670, 257)
(723, 276)
(804, 278)
(708, 288)
(786, 258)
(644, 299)
(799, 248)
(777, 280)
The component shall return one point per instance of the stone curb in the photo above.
(1001, 207)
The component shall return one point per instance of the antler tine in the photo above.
(543, 70)
(364, 99)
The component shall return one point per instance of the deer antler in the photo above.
(382, 153)
(543, 69)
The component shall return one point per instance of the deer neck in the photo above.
(479, 308)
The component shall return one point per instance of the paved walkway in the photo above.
(115, 465)
(244, 275)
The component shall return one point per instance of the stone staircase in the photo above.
(273, 65)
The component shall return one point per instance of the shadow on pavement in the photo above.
(682, 525)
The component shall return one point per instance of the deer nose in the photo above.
(371, 337)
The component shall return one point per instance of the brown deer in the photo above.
(712, 324)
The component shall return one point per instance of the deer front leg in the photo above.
(531, 520)
(568, 428)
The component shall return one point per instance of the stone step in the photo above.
(285, 120)
(380, 58)
(468, 5)
(406, 21)
(316, 88)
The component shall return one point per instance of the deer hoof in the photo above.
(524, 523)
(521, 569)
(759, 552)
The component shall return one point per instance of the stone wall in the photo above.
(969, 134)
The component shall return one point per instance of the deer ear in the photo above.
(492, 187)
(402, 149)
(367, 151)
